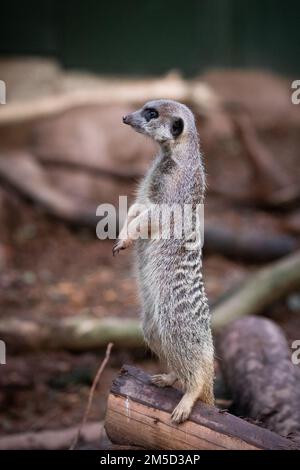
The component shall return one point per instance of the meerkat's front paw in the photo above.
(163, 380)
(121, 245)
(181, 412)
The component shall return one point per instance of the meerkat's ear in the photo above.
(177, 127)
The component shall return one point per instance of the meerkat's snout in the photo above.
(134, 120)
(126, 119)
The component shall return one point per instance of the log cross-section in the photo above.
(138, 413)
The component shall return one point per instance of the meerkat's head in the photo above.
(166, 121)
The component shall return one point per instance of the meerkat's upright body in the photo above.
(175, 317)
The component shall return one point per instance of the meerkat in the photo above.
(175, 314)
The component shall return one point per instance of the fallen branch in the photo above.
(263, 288)
(109, 92)
(91, 396)
(75, 334)
(256, 362)
(53, 439)
(138, 413)
(249, 247)
(23, 174)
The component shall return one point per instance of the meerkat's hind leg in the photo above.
(164, 380)
(193, 391)
(183, 410)
(201, 387)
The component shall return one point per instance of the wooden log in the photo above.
(138, 413)
(256, 362)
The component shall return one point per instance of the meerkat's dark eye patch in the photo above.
(150, 113)
(177, 127)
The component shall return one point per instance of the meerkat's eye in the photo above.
(177, 127)
(150, 113)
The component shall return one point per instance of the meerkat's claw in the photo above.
(120, 245)
(164, 380)
(116, 249)
(181, 413)
(161, 380)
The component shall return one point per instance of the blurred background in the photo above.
(72, 70)
(153, 37)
